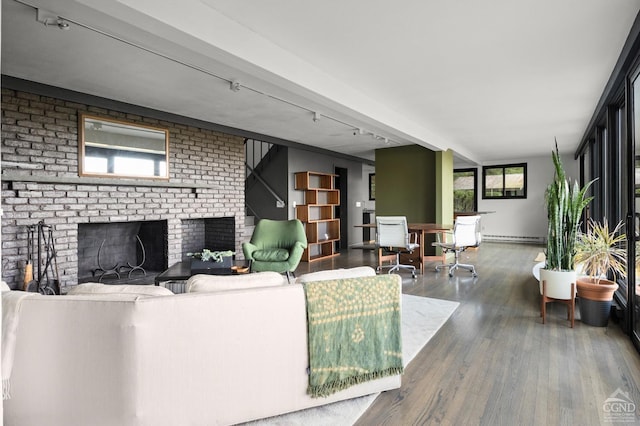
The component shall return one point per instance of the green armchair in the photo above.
(276, 245)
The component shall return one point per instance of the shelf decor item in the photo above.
(207, 259)
(318, 214)
(599, 252)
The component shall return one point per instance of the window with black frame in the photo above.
(465, 190)
(504, 181)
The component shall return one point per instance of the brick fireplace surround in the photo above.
(40, 182)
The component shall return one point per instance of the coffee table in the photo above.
(182, 271)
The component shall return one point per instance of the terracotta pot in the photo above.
(587, 289)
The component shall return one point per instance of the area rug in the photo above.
(421, 319)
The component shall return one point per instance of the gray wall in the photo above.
(522, 217)
(357, 183)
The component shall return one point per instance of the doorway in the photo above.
(342, 211)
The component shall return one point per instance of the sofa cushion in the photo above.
(335, 274)
(98, 288)
(213, 283)
(271, 255)
(5, 287)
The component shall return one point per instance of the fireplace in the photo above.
(206, 180)
(119, 252)
(215, 234)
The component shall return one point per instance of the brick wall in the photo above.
(39, 139)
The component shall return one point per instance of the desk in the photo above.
(422, 229)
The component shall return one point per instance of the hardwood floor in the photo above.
(494, 362)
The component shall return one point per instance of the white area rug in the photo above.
(421, 319)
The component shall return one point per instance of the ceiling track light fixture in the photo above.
(50, 19)
(234, 85)
(316, 116)
(60, 23)
(383, 139)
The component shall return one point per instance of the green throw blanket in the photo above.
(354, 332)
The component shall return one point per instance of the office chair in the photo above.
(393, 235)
(466, 233)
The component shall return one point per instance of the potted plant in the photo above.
(599, 253)
(207, 259)
(565, 201)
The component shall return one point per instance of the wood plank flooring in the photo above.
(494, 362)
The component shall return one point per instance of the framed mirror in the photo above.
(113, 148)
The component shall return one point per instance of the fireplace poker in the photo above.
(56, 280)
(43, 286)
(28, 268)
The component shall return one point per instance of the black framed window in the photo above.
(504, 181)
(465, 190)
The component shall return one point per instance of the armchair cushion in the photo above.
(271, 255)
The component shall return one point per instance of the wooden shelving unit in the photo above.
(317, 214)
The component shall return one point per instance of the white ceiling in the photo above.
(493, 81)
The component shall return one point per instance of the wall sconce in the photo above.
(316, 117)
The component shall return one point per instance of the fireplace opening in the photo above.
(215, 234)
(122, 252)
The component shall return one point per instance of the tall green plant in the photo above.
(565, 202)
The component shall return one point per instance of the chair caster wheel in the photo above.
(450, 274)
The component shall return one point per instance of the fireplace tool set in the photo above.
(47, 280)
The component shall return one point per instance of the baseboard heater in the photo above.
(513, 239)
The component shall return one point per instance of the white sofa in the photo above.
(212, 357)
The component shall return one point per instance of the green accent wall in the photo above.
(444, 187)
(406, 183)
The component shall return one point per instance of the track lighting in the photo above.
(49, 19)
(60, 23)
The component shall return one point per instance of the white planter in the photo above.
(558, 283)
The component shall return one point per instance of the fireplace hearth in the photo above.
(121, 251)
